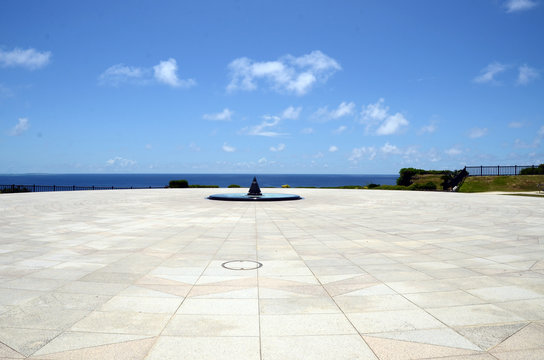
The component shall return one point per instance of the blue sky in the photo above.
(366, 86)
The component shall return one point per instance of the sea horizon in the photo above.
(219, 179)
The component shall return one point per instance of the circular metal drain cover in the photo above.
(241, 265)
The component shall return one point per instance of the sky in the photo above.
(317, 87)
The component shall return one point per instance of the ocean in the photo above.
(222, 180)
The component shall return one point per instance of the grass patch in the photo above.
(428, 178)
(501, 183)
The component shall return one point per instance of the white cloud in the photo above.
(149, 146)
(263, 129)
(392, 124)
(477, 133)
(333, 148)
(291, 113)
(410, 153)
(453, 151)
(120, 162)
(541, 131)
(166, 72)
(288, 74)
(390, 149)
(344, 109)
(433, 155)
(5, 92)
(270, 121)
(340, 129)
(194, 147)
(29, 58)
(373, 112)
(515, 125)
(527, 74)
(278, 148)
(262, 161)
(519, 144)
(363, 153)
(519, 5)
(120, 73)
(377, 116)
(489, 72)
(307, 131)
(428, 129)
(319, 155)
(22, 126)
(224, 115)
(227, 148)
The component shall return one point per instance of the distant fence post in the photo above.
(34, 188)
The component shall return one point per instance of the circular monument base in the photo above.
(246, 197)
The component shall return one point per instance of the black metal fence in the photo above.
(43, 188)
(496, 170)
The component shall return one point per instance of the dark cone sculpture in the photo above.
(254, 194)
(254, 189)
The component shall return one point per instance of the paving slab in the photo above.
(346, 274)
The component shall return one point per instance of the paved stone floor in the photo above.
(347, 274)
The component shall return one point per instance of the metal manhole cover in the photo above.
(241, 265)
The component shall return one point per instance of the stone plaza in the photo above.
(346, 274)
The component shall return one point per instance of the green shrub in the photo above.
(285, 186)
(426, 187)
(444, 178)
(372, 186)
(533, 170)
(406, 175)
(178, 184)
(233, 186)
(16, 189)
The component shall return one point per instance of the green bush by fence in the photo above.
(178, 184)
(14, 189)
(533, 171)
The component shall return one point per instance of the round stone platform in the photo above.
(246, 197)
